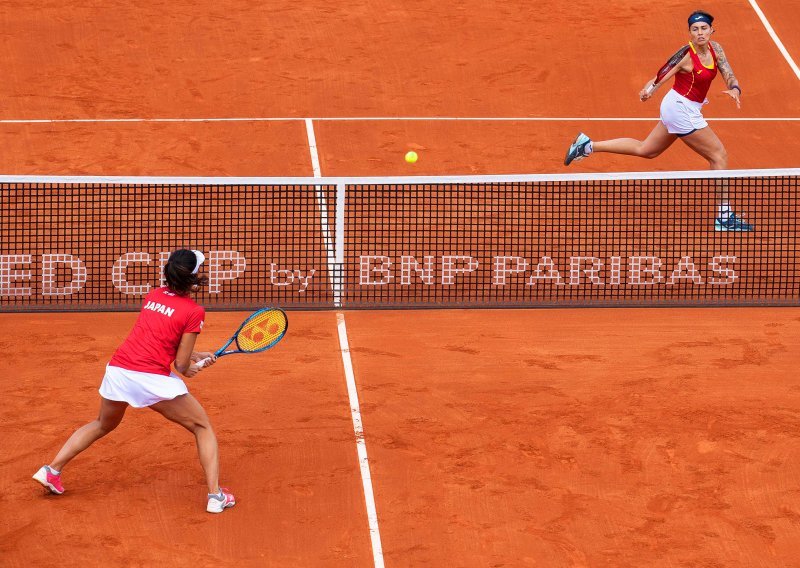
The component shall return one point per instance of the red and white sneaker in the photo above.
(218, 502)
(50, 480)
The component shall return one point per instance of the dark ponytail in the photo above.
(178, 272)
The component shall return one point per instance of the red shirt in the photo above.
(153, 342)
(694, 86)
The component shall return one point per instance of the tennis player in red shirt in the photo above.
(139, 375)
(681, 115)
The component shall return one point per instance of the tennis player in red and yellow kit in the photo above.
(139, 375)
(681, 115)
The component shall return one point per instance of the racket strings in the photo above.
(262, 331)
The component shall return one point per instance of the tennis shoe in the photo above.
(50, 480)
(732, 223)
(218, 502)
(579, 149)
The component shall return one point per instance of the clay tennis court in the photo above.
(559, 437)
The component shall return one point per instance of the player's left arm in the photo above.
(733, 90)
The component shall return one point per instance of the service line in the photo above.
(387, 119)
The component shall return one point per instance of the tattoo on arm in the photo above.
(724, 66)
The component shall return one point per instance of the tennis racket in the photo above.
(667, 67)
(260, 331)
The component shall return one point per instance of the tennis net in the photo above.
(90, 243)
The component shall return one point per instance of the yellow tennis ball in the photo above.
(411, 157)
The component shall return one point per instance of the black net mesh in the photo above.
(484, 243)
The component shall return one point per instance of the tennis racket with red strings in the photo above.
(667, 67)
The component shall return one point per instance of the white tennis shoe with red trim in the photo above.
(218, 502)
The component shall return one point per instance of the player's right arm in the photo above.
(646, 93)
(685, 65)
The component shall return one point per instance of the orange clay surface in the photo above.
(613, 437)
(511, 438)
(621, 437)
(194, 60)
(137, 497)
(786, 21)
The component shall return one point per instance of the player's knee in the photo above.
(106, 426)
(198, 424)
(647, 151)
(719, 159)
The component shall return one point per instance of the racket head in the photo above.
(262, 330)
(676, 58)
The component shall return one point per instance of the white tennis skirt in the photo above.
(140, 389)
(680, 115)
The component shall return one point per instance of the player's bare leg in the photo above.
(111, 414)
(706, 143)
(654, 145)
(186, 411)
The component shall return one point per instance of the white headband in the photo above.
(201, 258)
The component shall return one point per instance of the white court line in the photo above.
(361, 444)
(775, 38)
(330, 245)
(385, 119)
(312, 147)
(398, 180)
(344, 346)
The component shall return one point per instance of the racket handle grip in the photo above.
(203, 362)
(649, 90)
